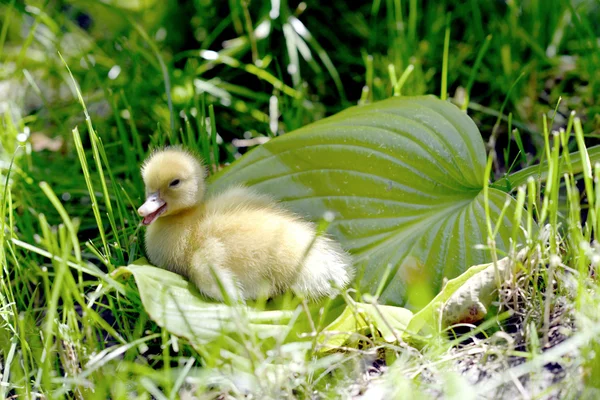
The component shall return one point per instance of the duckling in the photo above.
(243, 239)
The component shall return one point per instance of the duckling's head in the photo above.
(174, 181)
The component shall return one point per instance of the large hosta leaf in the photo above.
(404, 178)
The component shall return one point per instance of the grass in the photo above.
(226, 72)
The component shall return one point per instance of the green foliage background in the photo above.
(278, 69)
(223, 77)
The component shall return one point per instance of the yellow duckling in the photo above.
(253, 245)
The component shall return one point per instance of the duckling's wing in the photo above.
(238, 197)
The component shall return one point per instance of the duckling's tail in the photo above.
(326, 270)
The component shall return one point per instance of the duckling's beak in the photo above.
(152, 208)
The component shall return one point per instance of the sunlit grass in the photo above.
(69, 328)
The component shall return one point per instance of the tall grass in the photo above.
(68, 327)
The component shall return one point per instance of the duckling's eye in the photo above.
(174, 183)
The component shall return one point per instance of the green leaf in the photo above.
(427, 320)
(404, 178)
(389, 321)
(176, 305)
(466, 298)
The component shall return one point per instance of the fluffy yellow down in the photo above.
(253, 245)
